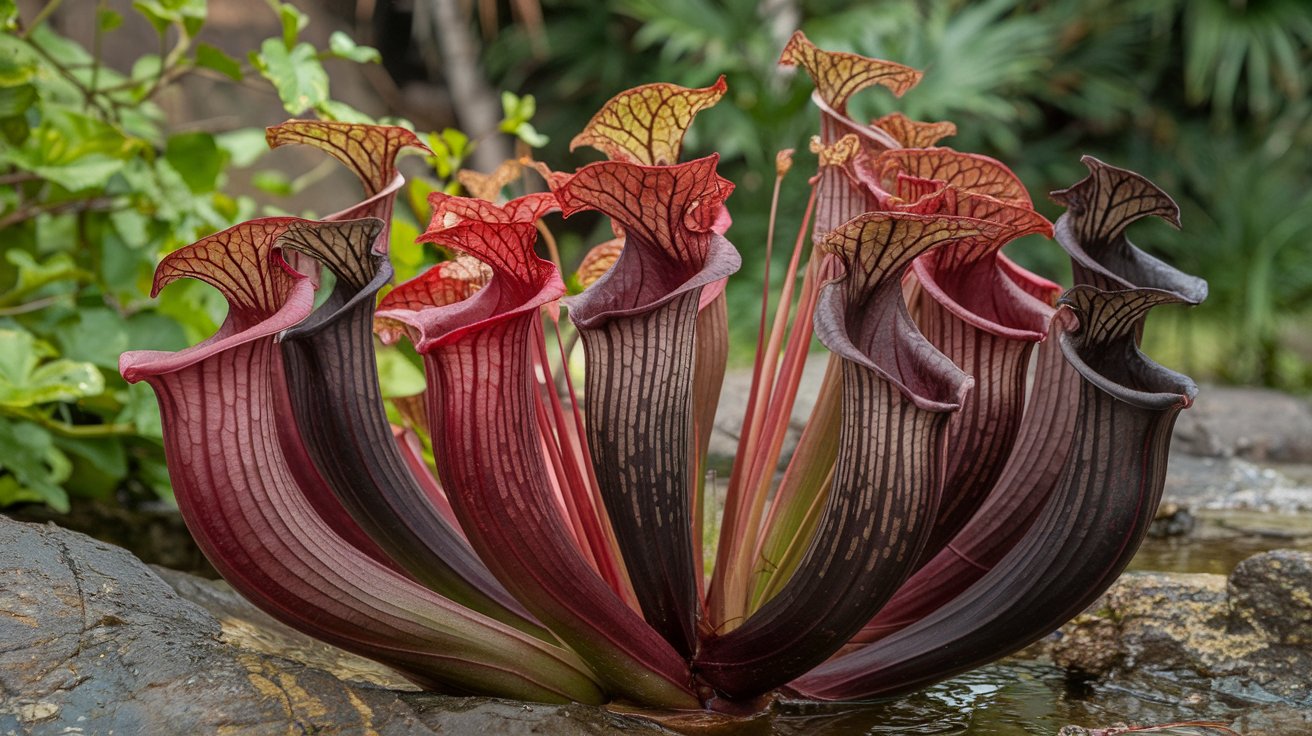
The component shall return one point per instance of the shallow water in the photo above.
(1223, 539)
(1010, 698)
(1023, 698)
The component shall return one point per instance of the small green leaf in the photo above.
(293, 22)
(528, 107)
(212, 57)
(297, 75)
(107, 19)
(198, 159)
(273, 182)
(334, 110)
(509, 104)
(146, 68)
(449, 150)
(190, 14)
(343, 46)
(527, 133)
(8, 15)
(457, 141)
(244, 145)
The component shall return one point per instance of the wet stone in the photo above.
(93, 641)
(1272, 595)
(1249, 634)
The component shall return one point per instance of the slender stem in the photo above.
(32, 306)
(41, 16)
(22, 214)
(18, 177)
(728, 590)
(95, 56)
(81, 431)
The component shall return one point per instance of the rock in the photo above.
(1250, 423)
(247, 627)
(1172, 520)
(1272, 595)
(93, 641)
(1250, 634)
(1231, 483)
(733, 406)
(154, 531)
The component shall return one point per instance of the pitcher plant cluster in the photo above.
(940, 510)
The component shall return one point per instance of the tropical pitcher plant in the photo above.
(943, 508)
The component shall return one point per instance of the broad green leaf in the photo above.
(18, 62)
(198, 159)
(26, 381)
(212, 57)
(97, 335)
(16, 100)
(72, 149)
(296, 74)
(89, 172)
(196, 307)
(154, 331)
(155, 474)
(125, 272)
(342, 45)
(69, 52)
(132, 226)
(98, 465)
(141, 410)
(56, 233)
(33, 275)
(34, 466)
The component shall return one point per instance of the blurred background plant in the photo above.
(100, 180)
(112, 157)
(1209, 98)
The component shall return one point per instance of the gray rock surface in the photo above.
(1250, 634)
(1250, 423)
(1232, 483)
(92, 641)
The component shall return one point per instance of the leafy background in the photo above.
(128, 129)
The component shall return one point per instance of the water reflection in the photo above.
(1011, 698)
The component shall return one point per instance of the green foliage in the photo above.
(1181, 90)
(96, 189)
